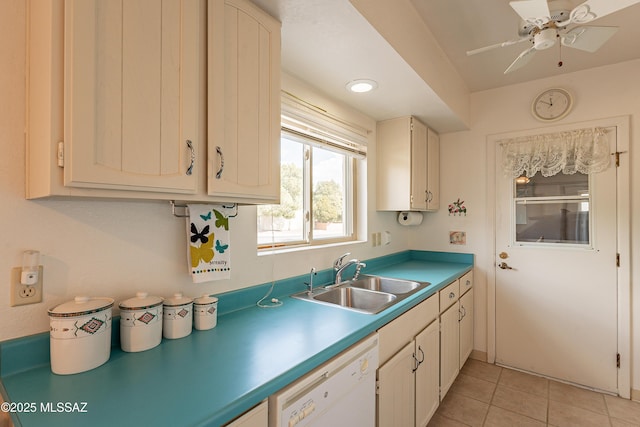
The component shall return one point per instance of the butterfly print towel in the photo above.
(209, 246)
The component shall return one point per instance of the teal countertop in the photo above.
(211, 377)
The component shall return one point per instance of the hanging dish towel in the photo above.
(209, 251)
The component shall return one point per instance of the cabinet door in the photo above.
(256, 417)
(131, 94)
(393, 189)
(466, 326)
(449, 348)
(428, 374)
(396, 389)
(244, 102)
(418, 166)
(433, 171)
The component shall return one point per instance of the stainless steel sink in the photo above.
(386, 284)
(368, 294)
(357, 299)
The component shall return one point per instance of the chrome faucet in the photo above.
(342, 267)
(310, 284)
(338, 262)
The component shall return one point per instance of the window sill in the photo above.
(290, 249)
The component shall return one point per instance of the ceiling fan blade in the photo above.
(533, 11)
(522, 60)
(587, 38)
(594, 9)
(495, 46)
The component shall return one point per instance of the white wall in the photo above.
(598, 93)
(111, 248)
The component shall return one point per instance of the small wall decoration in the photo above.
(457, 208)
(457, 238)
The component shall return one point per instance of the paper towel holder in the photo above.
(408, 218)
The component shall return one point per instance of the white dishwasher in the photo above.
(342, 392)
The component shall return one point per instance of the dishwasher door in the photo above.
(341, 392)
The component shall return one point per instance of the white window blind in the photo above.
(327, 131)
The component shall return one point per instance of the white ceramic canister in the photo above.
(205, 312)
(178, 316)
(140, 322)
(80, 334)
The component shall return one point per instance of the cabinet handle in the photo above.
(193, 157)
(452, 295)
(219, 173)
(462, 313)
(418, 362)
(429, 196)
(468, 282)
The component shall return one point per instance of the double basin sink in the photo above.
(367, 294)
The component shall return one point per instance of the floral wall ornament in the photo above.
(457, 208)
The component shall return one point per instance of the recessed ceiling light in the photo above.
(362, 85)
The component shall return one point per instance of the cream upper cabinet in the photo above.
(408, 166)
(131, 94)
(117, 105)
(433, 171)
(244, 102)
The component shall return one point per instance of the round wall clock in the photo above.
(552, 104)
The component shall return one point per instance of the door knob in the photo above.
(505, 266)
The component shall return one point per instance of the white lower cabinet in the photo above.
(466, 326)
(256, 417)
(408, 377)
(456, 329)
(396, 389)
(427, 374)
(449, 348)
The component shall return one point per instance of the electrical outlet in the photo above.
(25, 294)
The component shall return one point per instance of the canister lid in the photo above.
(80, 306)
(177, 299)
(205, 299)
(141, 301)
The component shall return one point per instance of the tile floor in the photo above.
(491, 396)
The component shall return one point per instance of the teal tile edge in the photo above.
(21, 354)
(25, 353)
(442, 256)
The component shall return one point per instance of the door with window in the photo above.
(556, 275)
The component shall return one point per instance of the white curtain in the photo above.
(584, 150)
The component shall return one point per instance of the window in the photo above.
(552, 209)
(319, 155)
(316, 196)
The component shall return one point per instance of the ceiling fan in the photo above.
(542, 27)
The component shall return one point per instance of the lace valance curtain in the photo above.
(584, 150)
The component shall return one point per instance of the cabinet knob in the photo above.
(452, 295)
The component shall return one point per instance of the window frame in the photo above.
(524, 200)
(350, 207)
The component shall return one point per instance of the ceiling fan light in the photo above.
(545, 39)
(362, 85)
